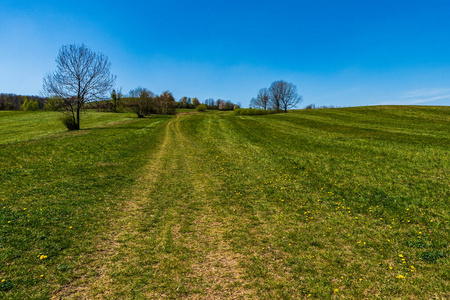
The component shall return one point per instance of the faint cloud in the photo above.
(420, 96)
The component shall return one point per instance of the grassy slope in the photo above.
(59, 189)
(317, 203)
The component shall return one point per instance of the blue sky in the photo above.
(342, 53)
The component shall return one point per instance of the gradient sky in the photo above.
(341, 53)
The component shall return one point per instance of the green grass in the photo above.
(326, 203)
(59, 189)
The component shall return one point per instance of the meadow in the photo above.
(312, 204)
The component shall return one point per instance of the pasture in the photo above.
(326, 203)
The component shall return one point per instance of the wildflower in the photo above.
(400, 276)
(400, 255)
(336, 290)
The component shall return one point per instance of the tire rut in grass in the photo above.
(98, 282)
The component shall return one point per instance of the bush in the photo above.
(69, 122)
(252, 112)
(201, 107)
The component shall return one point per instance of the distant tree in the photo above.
(166, 103)
(283, 95)
(182, 103)
(53, 104)
(24, 105)
(229, 105)
(195, 102)
(210, 103)
(220, 104)
(263, 98)
(142, 101)
(116, 98)
(82, 76)
(30, 105)
(310, 106)
(189, 103)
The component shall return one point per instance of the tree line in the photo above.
(153, 103)
(83, 79)
(20, 102)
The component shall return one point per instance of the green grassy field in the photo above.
(330, 203)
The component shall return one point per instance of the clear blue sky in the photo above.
(342, 53)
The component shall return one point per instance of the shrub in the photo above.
(69, 122)
(252, 112)
(201, 107)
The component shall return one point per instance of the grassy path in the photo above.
(313, 204)
(169, 240)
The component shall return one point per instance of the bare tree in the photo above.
(283, 95)
(142, 101)
(81, 76)
(263, 97)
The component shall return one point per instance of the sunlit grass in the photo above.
(59, 189)
(318, 204)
